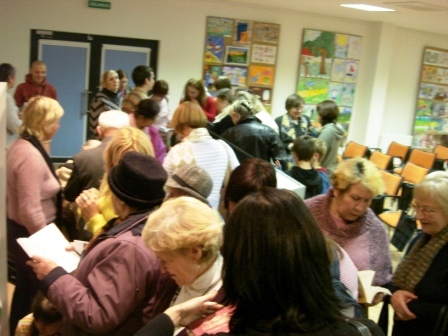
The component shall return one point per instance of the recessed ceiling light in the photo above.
(368, 8)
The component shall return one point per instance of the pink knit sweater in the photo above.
(365, 240)
(31, 187)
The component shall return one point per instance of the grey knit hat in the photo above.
(193, 180)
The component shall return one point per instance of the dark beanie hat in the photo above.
(138, 180)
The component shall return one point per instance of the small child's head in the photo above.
(222, 82)
(224, 98)
(47, 320)
(303, 148)
(146, 113)
(160, 88)
(321, 150)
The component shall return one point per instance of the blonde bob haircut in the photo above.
(358, 170)
(39, 114)
(126, 139)
(184, 222)
(189, 114)
(106, 76)
(435, 188)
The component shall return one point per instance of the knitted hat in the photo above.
(113, 119)
(193, 180)
(138, 180)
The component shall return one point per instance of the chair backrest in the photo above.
(422, 158)
(398, 150)
(392, 182)
(412, 173)
(381, 160)
(441, 152)
(353, 149)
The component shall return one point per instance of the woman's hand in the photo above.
(197, 306)
(88, 203)
(41, 266)
(399, 302)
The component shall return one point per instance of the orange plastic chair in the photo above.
(353, 149)
(398, 150)
(441, 153)
(381, 160)
(420, 158)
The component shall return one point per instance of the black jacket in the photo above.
(310, 178)
(257, 139)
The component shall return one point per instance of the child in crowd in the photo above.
(321, 150)
(45, 320)
(303, 151)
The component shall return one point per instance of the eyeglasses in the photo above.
(422, 210)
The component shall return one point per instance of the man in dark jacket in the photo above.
(250, 135)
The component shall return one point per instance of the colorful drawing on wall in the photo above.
(237, 75)
(267, 33)
(439, 109)
(313, 90)
(341, 45)
(347, 94)
(427, 91)
(311, 66)
(237, 55)
(351, 71)
(217, 26)
(345, 114)
(429, 74)
(436, 57)
(319, 44)
(354, 47)
(211, 73)
(424, 107)
(338, 70)
(243, 32)
(263, 54)
(214, 49)
(442, 76)
(260, 75)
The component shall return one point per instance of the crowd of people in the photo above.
(182, 217)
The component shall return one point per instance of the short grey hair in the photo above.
(434, 185)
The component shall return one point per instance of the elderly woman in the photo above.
(198, 147)
(344, 215)
(104, 100)
(96, 207)
(33, 191)
(186, 236)
(250, 135)
(117, 276)
(421, 280)
(270, 242)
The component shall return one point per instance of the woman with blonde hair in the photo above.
(104, 100)
(195, 91)
(186, 235)
(198, 147)
(96, 207)
(33, 191)
(343, 213)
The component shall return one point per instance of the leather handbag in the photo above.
(363, 330)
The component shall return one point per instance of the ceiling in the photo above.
(425, 15)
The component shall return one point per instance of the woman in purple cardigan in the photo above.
(344, 215)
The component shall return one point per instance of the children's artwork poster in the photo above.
(261, 75)
(217, 26)
(243, 32)
(263, 53)
(266, 33)
(237, 75)
(328, 69)
(214, 49)
(211, 73)
(237, 55)
(431, 114)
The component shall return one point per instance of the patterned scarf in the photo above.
(417, 262)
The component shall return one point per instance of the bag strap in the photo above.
(363, 330)
(441, 322)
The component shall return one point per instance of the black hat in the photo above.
(138, 180)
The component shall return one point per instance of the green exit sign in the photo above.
(99, 4)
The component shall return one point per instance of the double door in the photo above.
(75, 63)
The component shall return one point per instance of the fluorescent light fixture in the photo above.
(368, 8)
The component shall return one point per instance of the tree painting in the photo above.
(319, 44)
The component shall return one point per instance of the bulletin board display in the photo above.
(328, 70)
(431, 116)
(245, 51)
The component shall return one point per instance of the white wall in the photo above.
(388, 74)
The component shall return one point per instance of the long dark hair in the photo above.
(276, 265)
